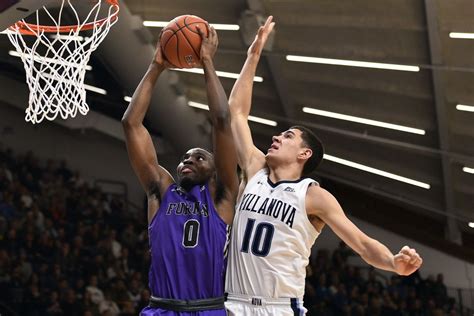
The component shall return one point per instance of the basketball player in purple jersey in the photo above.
(188, 220)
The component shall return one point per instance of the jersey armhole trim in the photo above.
(315, 183)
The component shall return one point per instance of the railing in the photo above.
(119, 189)
(113, 187)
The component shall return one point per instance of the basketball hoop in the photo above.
(56, 60)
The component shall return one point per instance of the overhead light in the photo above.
(127, 98)
(356, 119)
(86, 86)
(471, 224)
(14, 53)
(223, 74)
(198, 105)
(461, 35)
(468, 170)
(250, 118)
(376, 171)
(221, 27)
(95, 89)
(353, 63)
(69, 37)
(262, 120)
(225, 27)
(155, 23)
(467, 108)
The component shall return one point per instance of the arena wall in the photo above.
(95, 155)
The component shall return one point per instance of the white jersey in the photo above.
(271, 239)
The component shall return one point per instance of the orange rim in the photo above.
(26, 28)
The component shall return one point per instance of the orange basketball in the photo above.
(181, 42)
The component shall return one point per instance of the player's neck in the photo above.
(187, 186)
(284, 173)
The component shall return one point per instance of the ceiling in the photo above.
(394, 32)
(404, 32)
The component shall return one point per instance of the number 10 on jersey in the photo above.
(259, 242)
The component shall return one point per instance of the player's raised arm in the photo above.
(322, 204)
(249, 157)
(141, 151)
(225, 157)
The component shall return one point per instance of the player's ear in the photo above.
(305, 153)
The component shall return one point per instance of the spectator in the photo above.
(70, 306)
(96, 294)
(53, 307)
(25, 267)
(108, 307)
(440, 292)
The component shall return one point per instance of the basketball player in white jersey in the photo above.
(279, 214)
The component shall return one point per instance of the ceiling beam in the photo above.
(452, 232)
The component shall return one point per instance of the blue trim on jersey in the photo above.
(297, 311)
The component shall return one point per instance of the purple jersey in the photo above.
(188, 242)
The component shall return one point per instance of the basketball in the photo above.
(180, 41)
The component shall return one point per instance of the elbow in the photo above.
(127, 123)
(233, 108)
(236, 108)
(221, 119)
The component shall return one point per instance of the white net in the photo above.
(56, 63)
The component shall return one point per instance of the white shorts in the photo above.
(242, 305)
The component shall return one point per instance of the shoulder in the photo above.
(319, 199)
(314, 191)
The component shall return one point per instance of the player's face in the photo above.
(286, 146)
(196, 167)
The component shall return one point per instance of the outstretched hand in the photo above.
(209, 43)
(261, 37)
(407, 261)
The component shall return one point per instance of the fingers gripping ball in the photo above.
(181, 42)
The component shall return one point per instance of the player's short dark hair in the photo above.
(315, 144)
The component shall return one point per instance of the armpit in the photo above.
(154, 191)
(318, 223)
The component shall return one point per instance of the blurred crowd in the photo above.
(66, 248)
(334, 287)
